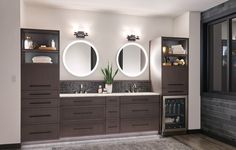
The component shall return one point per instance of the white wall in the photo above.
(188, 25)
(181, 25)
(106, 32)
(10, 71)
(194, 71)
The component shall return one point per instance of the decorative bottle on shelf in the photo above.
(28, 43)
(53, 44)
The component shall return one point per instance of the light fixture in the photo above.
(132, 37)
(80, 34)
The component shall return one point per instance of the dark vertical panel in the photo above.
(93, 58)
(121, 59)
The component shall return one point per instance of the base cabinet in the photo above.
(82, 116)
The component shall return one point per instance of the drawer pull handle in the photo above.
(138, 125)
(112, 100)
(36, 103)
(45, 132)
(37, 116)
(42, 85)
(175, 84)
(83, 113)
(88, 128)
(40, 94)
(175, 91)
(140, 110)
(112, 126)
(141, 100)
(79, 101)
(112, 111)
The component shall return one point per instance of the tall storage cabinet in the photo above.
(169, 76)
(39, 84)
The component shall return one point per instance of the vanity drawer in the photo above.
(80, 128)
(40, 116)
(134, 125)
(74, 113)
(40, 77)
(139, 110)
(174, 91)
(112, 101)
(40, 132)
(82, 101)
(112, 126)
(139, 99)
(40, 94)
(39, 103)
(175, 77)
(112, 112)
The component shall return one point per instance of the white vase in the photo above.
(109, 88)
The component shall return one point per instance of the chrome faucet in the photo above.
(133, 88)
(81, 88)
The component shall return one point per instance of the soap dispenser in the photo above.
(99, 89)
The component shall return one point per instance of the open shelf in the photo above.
(39, 51)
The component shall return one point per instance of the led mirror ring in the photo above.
(68, 68)
(144, 52)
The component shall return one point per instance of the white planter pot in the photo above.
(109, 88)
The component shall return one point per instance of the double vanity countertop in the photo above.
(111, 94)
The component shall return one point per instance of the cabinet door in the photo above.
(86, 112)
(139, 99)
(133, 125)
(40, 132)
(175, 78)
(139, 110)
(40, 116)
(40, 76)
(81, 128)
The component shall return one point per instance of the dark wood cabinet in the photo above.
(140, 124)
(82, 127)
(112, 115)
(82, 116)
(40, 86)
(140, 113)
(169, 75)
(40, 76)
(108, 115)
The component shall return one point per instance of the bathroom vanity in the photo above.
(94, 114)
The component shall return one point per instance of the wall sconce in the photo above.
(132, 37)
(80, 34)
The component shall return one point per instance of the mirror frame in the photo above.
(71, 71)
(145, 54)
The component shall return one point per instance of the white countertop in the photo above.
(112, 94)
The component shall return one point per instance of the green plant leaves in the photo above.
(108, 74)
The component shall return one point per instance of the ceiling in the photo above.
(132, 7)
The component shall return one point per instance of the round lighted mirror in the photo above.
(80, 58)
(132, 59)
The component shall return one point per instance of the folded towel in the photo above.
(42, 59)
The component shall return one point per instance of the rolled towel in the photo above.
(42, 59)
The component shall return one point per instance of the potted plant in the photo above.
(109, 77)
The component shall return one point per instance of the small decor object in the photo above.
(44, 47)
(100, 89)
(178, 49)
(165, 50)
(53, 44)
(109, 77)
(28, 43)
(42, 59)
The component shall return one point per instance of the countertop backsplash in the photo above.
(70, 86)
